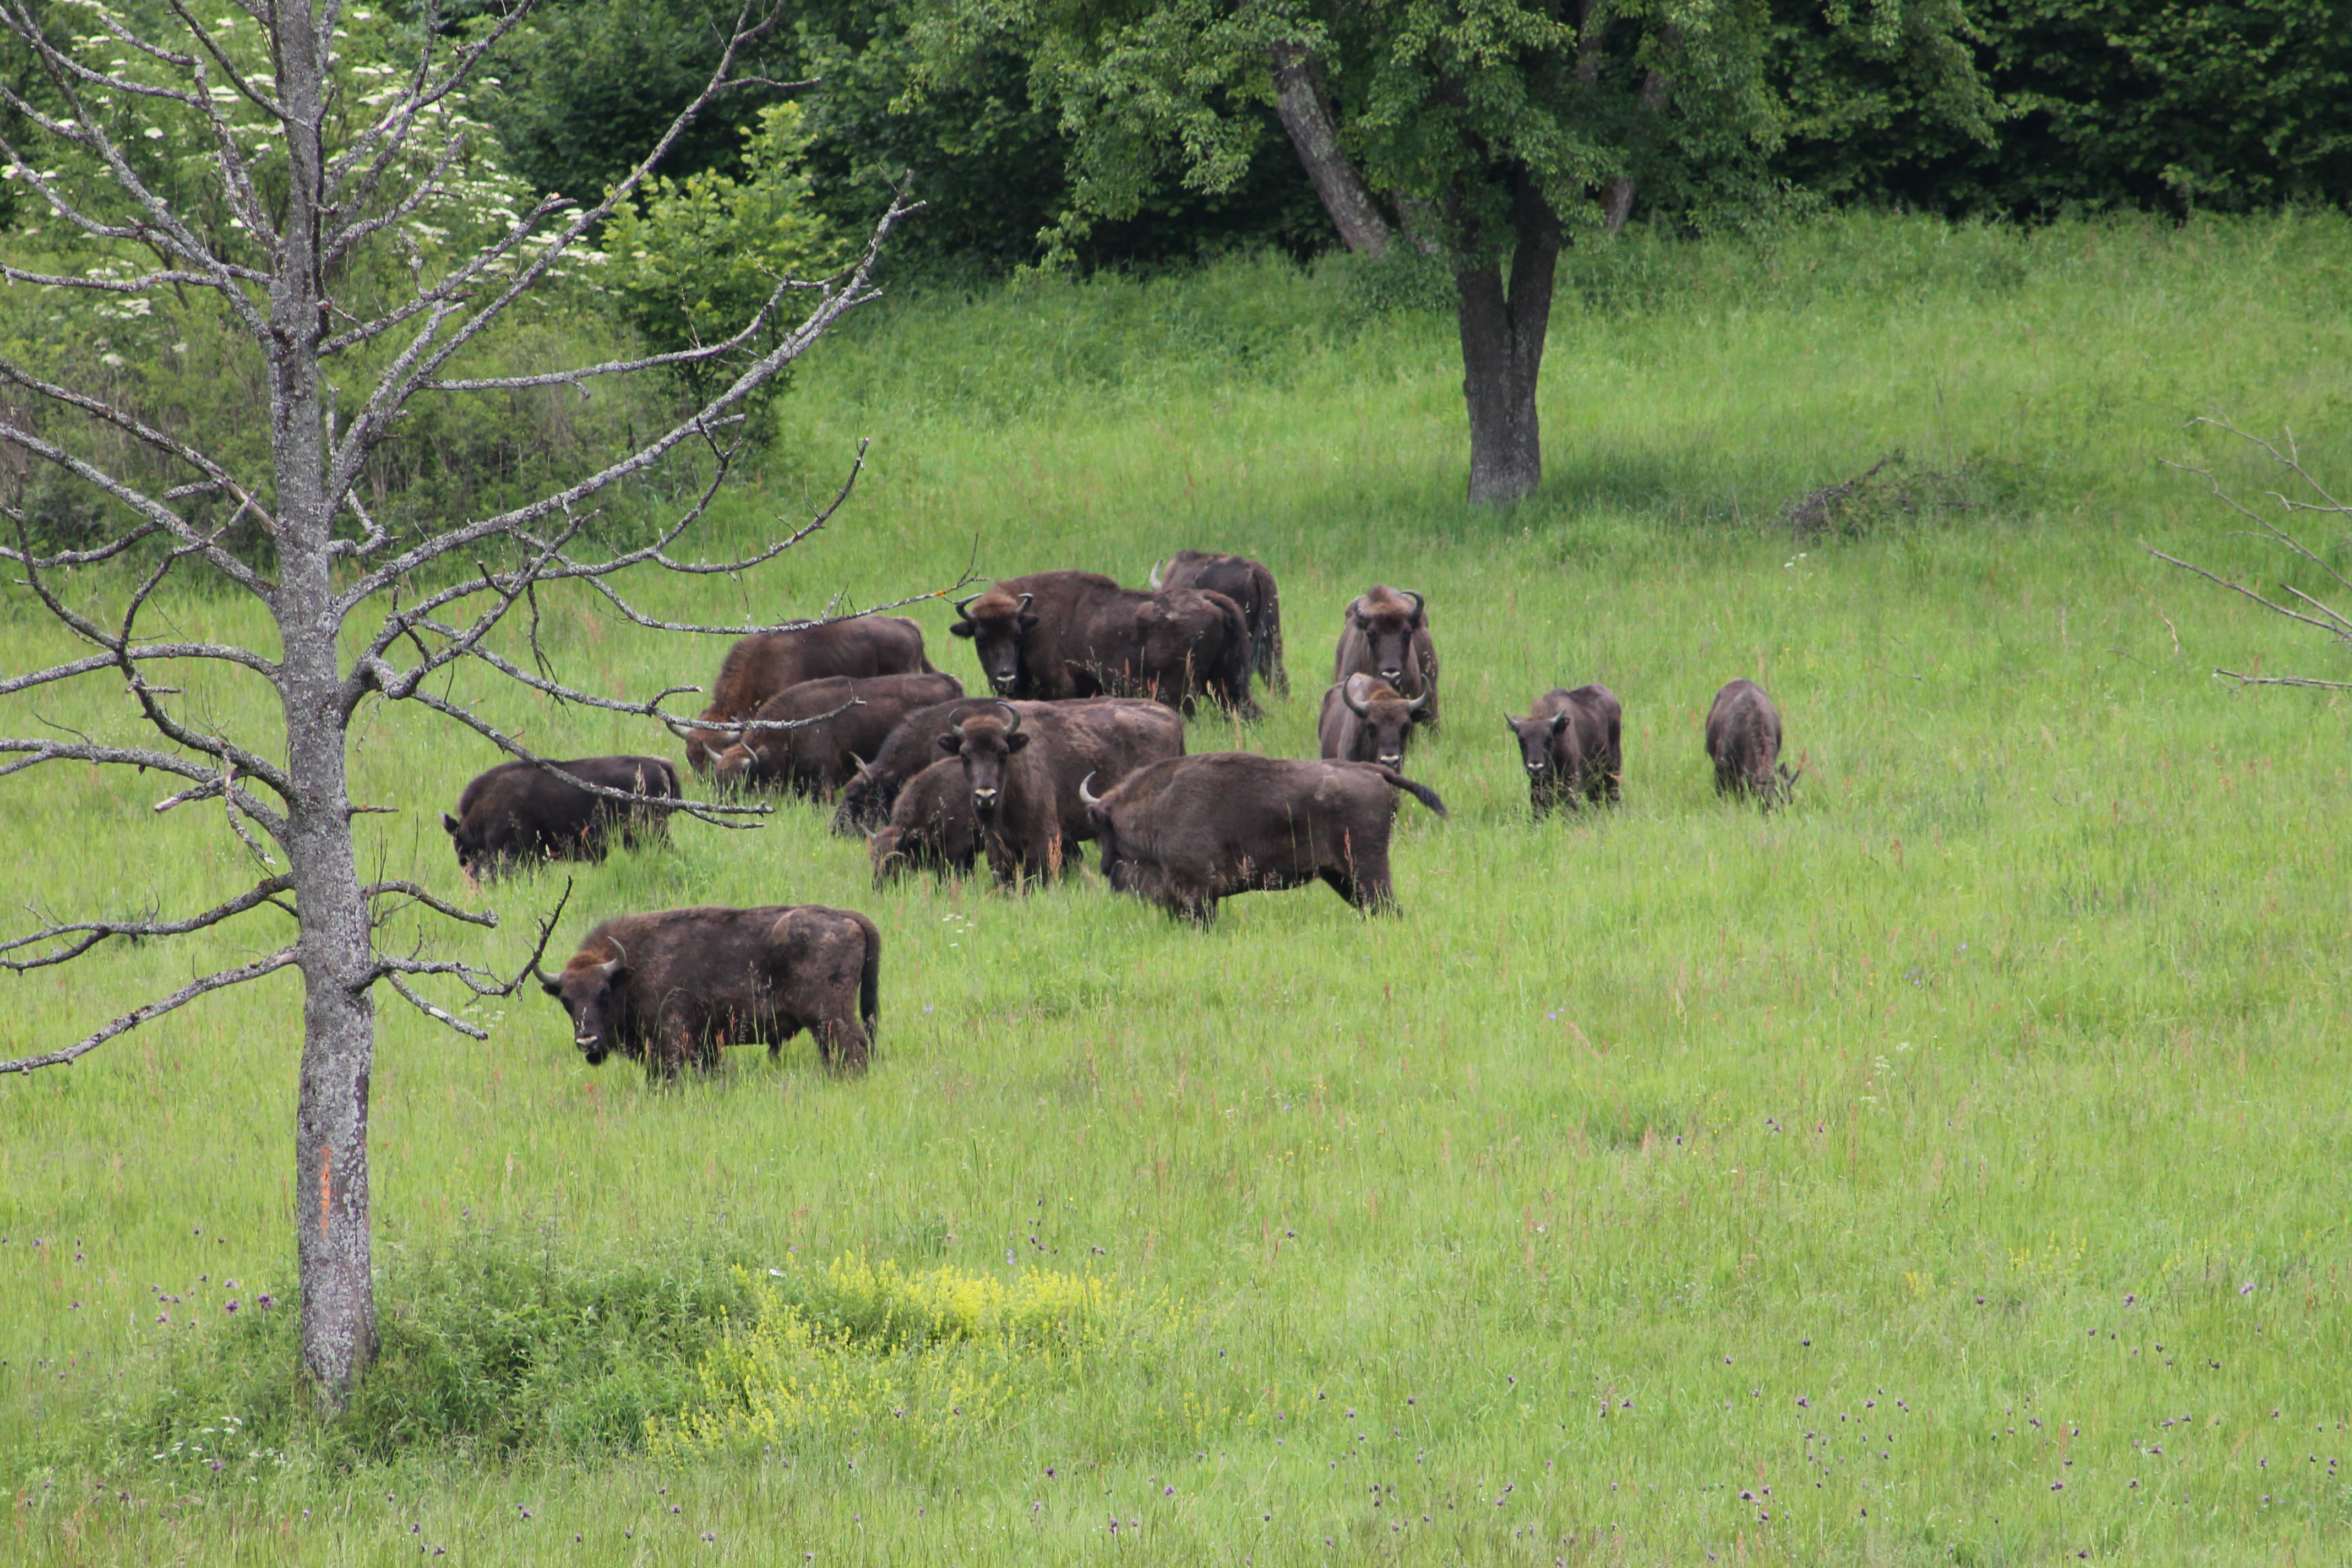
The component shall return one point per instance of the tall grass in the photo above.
(1947, 1168)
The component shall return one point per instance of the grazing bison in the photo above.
(1106, 736)
(1570, 746)
(1743, 738)
(1058, 634)
(1365, 721)
(1188, 832)
(764, 663)
(1387, 635)
(932, 826)
(519, 812)
(841, 719)
(671, 987)
(1247, 582)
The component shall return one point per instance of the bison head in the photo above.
(739, 766)
(1119, 864)
(1535, 736)
(467, 842)
(996, 622)
(886, 850)
(1387, 619)
(986, 743)
(1386, 715)
(866, 799)
(585, 988)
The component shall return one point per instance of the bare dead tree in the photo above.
(2312, 498)
(309, 176)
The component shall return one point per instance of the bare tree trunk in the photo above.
(1617, 195)
(332, 1232)
(1502, 352)
(1306, 111)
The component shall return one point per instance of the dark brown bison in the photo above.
(1012, 790)
(1058, 634)
(764, 663)
(1743, 738)
(1366, 720)
(1387, 635)
(670, 988)
(1188, 832)
(1110, 737)
(1570, 746)
(1247, 582)
(518, 811)
(932, 826)
(840, 719)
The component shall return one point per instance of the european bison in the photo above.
(764, 663)
(1107, 736)
(1058, 634)
(1247, 582)
(931, 825)
(1013, 796)
(519, 812)
(1188, 832)
(1366, 720)
(1387, 635)
(1743, 738)
(821, 755)
(1570, 746)
(671, 987)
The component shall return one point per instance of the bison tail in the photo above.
(1241, 655)
(1420, 792)
(869, 980)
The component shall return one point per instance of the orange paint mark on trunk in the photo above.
(326, 1188)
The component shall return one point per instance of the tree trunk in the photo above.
(1502, 351)
(1306, 111)
(332, 1237)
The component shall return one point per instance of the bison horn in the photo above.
(1154, 578)
(1348, 695)
(1418, 703)
(680, 731)
(865, 768)
(1022, 607)
(1012, 715)
(1417, 601)
(963, 606)
(611, 965)
(1086, 796)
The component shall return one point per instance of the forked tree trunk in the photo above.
(1503, 329)
(1306, 111)
(333, 1235)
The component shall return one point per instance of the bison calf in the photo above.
(518, 811)
(1569, 746)
(672, 987)
(837, 721)
(1368, 721)
(932, 826)
(1743, 740)
(1387, 636)
(1187, 832)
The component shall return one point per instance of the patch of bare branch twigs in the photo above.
(2314, 498)
(281, 261)
(1885, 492)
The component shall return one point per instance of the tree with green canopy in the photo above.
(1485, 132)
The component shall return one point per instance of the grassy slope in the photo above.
(2004, 1059)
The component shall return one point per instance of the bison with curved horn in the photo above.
(1247, 582)
(1571, 746)
(765, 663)
(1743, 740)
(1013, 794)
(1187, 832)
(833, 722)
(671, 987)
(1368, 721)
(1387, 636)
(1055, 636)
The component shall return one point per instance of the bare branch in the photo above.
(446, 1019)
(628, 366)
(486, 919)
(176, 1000)
(87, 934)
(2241, 588)
(32, 753)
(2284, 680)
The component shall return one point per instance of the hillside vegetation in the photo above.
(1947, 1169)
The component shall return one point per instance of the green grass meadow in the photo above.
(1949, 1169)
